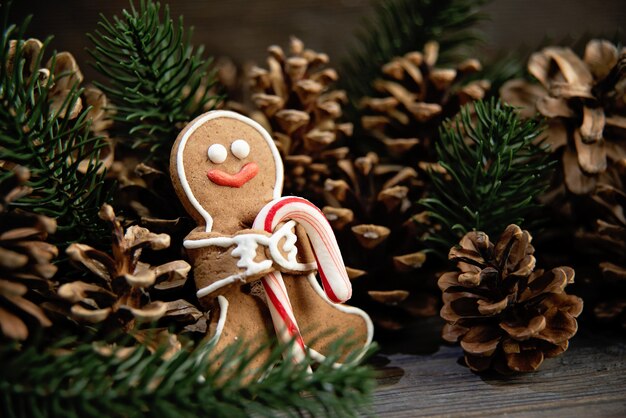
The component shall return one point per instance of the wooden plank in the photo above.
(588, 380)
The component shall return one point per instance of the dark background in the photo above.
(243, 29)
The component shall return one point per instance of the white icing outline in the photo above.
(317, 356)
(236, 148)
(221, 322)
(217, 148)
(245, 249)
(215, 114)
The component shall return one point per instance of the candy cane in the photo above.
(327, 255)
(282, 314)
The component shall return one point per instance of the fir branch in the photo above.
(79, 382)
(48, 141)
(401, 26)
(495, 167)
(155, 78)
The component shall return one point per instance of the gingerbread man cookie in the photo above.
(254, 253)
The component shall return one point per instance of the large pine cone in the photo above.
(25, 261)
(63, 76)
(506, 315)
(369, 205)
(119, 290)
(609, 244)
(583, 99)
(301, 110)
(415, 96)
(371, 198)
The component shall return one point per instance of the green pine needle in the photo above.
(495, 169)
(401, 26)
(73, 380)
(50, 146)
(155, 78)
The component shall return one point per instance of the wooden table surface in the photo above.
(589, 380)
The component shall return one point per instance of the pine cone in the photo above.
(234, 84)
(226, 74)
(63, 75)
(371, 198)
(416, 97)
(25, 261)
(302, 113)
(583, 99)
(121, 286)
(145, 197)
(507, 315)
(610, 241)
(370, 208)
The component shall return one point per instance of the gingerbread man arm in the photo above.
(223, 260)
(257, 253)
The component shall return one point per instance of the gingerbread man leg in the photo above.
(322, 322)
(253, 331)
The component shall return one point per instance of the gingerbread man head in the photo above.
(225, 167)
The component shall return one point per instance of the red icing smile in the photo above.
(222, 178)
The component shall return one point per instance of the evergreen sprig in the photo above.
(496, 167)
(401, 26)
(47, 141)
(75, 380)
(155, 78)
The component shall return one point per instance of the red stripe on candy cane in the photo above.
(292, 328)
(282, 202)
(327, 287)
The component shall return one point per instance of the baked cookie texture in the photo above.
(257, 283)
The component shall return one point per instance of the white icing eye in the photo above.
(217, 153)
(240, 149)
